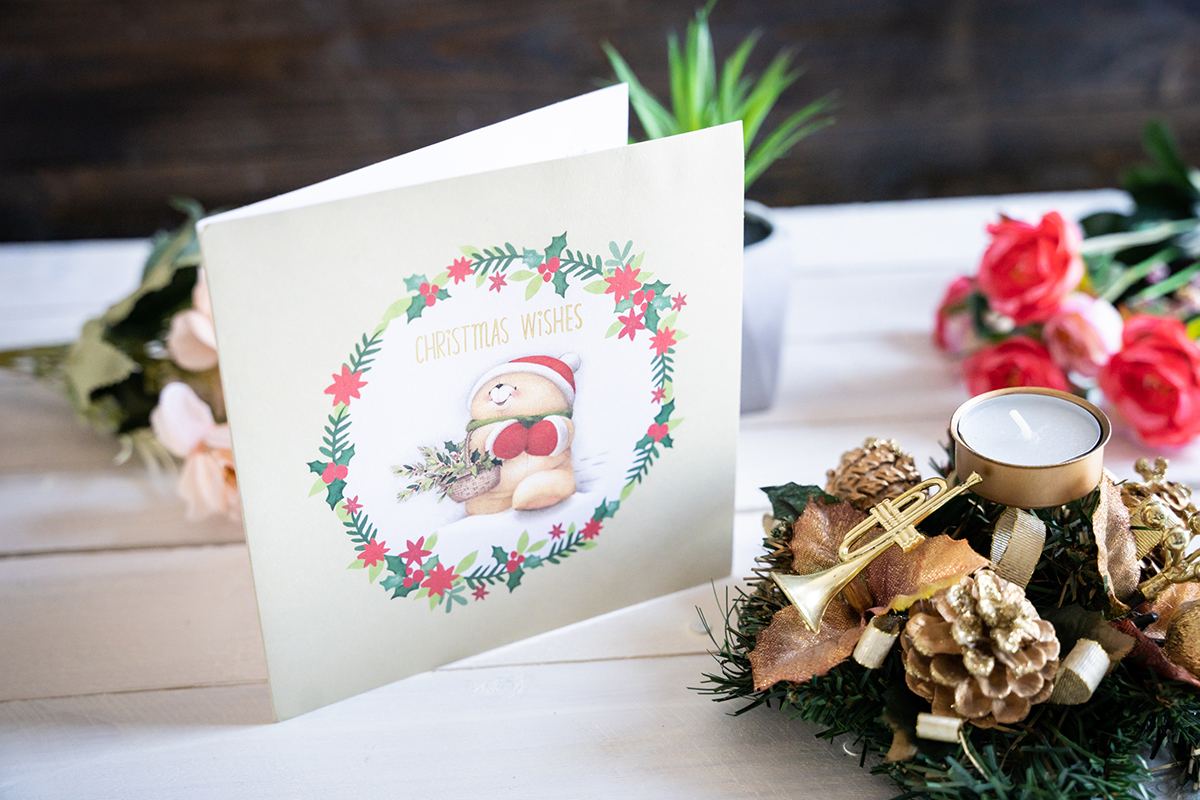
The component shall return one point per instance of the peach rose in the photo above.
(1027, 270)
(184, 424)
(191, 339)
(1019, 361)
(1083, 334)
(1155, 380)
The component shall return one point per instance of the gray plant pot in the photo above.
(764, 306)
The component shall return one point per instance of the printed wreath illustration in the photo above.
(639, 304)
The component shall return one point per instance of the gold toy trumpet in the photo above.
(898, 518)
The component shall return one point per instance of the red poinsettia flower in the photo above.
(439, 580)
(480, 592)
(460, 269)
(658, 431)
(334, 472)
(372, 552)
(663, 341)
(678, 302)
(352, 505)
(547, 269)
(658, 395)
(557, 531)
(415, 552)
(345, 385)
(623, 282)
(592, 529)
(632, 323)
(498, 283)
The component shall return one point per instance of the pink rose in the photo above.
(192, 340)
(1155, 380)
(184, 424)
(954, 330)
(1027, 270)
(1019, 361)
(1083, 334)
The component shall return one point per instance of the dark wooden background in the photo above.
(108, 107)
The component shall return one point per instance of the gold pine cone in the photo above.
(879, 470)
(1183, 638)
(979, 650)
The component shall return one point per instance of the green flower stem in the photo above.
(1136, 273)
(1113, 242)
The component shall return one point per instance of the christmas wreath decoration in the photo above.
(640, 303)
(1074, 675)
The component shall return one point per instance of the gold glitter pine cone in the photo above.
(879, 470)
(979, 650)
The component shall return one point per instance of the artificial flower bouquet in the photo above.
(145, 372)
(1109, 304)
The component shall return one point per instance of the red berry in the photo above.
(511, 566)
(513, 555)
(545, 277)
(430, 299)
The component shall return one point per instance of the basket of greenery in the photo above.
(452, 470)
(703, 96)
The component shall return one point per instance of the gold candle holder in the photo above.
(1030, 485)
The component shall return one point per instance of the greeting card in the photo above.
(481, 390)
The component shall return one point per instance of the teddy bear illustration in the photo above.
(521, 414)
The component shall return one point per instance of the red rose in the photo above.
(1027, 270)
(954, 330)
(1154, 381)
(1019, 361)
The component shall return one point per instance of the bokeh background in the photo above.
(109, 107)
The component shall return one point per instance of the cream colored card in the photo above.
(473, 408)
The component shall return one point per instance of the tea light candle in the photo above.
(1034, 447)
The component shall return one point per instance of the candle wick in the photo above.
(1026, 432)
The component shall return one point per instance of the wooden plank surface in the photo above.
(230, 101)
(131, 661)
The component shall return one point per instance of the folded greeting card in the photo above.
(481, 390)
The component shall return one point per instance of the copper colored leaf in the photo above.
(1116, 550)
(897, 579)
(788, 651)
(818, 533)
(1169, 602)
(1147, 653)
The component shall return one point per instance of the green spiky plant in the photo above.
(701, 97)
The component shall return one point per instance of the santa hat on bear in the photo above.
(559, 371)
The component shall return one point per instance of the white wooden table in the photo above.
(130, 657)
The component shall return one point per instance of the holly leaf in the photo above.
(625, 305)
(658, 287)
(789, 500)
(514, 578)
(665, 412)
(416, 309)
(560, 283)
(533, 562)
(396, 564)
(344, 457)
(651, 318)
(500, 554)
(532, 258)
(556, 246)
(606, 509)
(442, 294)
(334, 495)
(317, 467)
(667, 441)
(413, 282)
